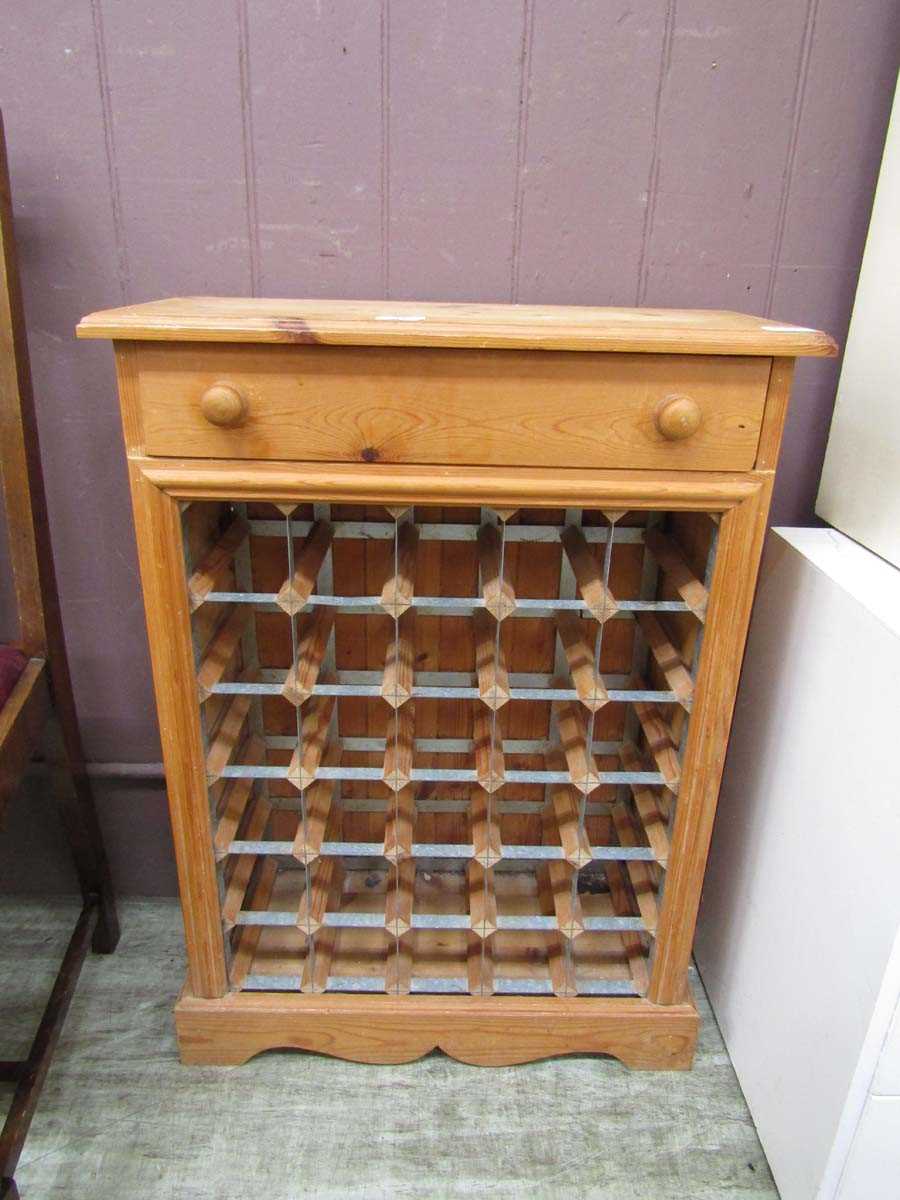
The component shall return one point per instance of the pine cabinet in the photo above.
(446, 606)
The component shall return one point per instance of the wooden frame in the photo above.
(652, 1022)
(657, 1031)
(40, 714)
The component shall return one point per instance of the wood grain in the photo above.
(490, 663)
(680, 576)
(667, 658)
(337, 483)
(220, 650)
(352, 404)
(740, 546)
(588, 575)
(409, 323)
(312, 644)
(208, 572)
(158, 526)
(397, 593)
(498, 593)
(489, 1031)
(580, 656)
(308, 560)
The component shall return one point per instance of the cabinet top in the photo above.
(488, 326)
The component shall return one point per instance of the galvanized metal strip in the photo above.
(355, 983)
(430, 532)
(441, 606)
(440, 775)
(440, 985)
(607, 987)
(446, 850)
(271, 983)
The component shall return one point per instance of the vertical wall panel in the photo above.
(315, 92)
(590, 122)
(176, 100)
(66, 236)
(453, 91)
(727, 107)
(840, 137)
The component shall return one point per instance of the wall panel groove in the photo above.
(110, 144)
(665, 60)
(796, 117)
(521, 145)
(247, 142)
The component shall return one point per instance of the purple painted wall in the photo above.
(699, 152)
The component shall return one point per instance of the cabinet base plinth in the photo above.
(490, 1031)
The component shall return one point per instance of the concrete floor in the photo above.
(121, 1118)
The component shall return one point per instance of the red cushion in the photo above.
(12, 664)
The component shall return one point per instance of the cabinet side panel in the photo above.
(159, 542)
(733, 586)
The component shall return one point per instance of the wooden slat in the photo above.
(314, 736)
(482, 900)
(319, 800)
(588, 575)
(489, 760)
(499, 594)
(565, 802)
(398, 755)
(398, 828)
(640, 873)
(227, 736)
(493, 680)
(248, 938)
(325, 881)
(659, 740)
(580, 656)
(210, 567)
(311, 648)
(296, 591)
(321, 949)
(243, 864)
(646, 801)
(23, 719)
(485, 833)
(480, 965)
(667, 659)
(582, 765)
(562, 974)
(234, 803)
(631, 941)
(398, 966)
(679, 574)
(397, 682)
(221, 649)
(566, 903)
(397, 593)
(398, 905)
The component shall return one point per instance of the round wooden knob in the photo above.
(677, 417)
(223, 405)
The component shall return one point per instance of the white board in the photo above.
(860, 488)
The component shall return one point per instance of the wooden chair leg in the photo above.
(78, 812)
(32, 1071)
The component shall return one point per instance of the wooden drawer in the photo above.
(485, 407)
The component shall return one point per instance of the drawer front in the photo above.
(479, 407)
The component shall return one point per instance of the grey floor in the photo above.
(120, 1117)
